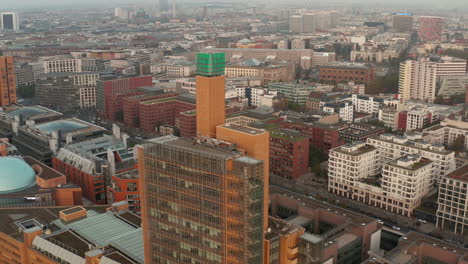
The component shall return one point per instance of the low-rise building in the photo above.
(447, 132)
(307, 231)
(86, 235)
(268, 71)
(67, 91)
(338, 72)
(344, 109)
(352, 132)
(131, 109)
(27, 182)
(354, 173)
(163, 111)
(392, 147)
(91, 164)
(415, 247)
(43, 140)
(295, 92)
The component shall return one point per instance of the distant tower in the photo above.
(7, 81)
(430, 28)
(174, 8)
(9, 21)
(163, 6)
(205, 11)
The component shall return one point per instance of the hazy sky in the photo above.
(13, 4)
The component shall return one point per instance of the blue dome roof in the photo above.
(15, 175)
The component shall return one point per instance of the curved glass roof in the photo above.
(65, 125)
(15, 175)
(27, 111)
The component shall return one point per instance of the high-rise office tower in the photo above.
(430, 28)
(402, 22)
(417, 80)
(7, 81)
(174, 8)
(206, 200)
(210, 93)
(295, 23)
(9, 21)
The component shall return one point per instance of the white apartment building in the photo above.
(447, 132)
(389, 116)
(417, 80)
(366, 104)
(353, 173)
(180, 71)
(345, 110)
(392, 147)
(452, 211)
(350, 163)
(61, 64)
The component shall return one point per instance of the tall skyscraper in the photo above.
(163, 6)
(9, 21)
(403, 22)
(417, 80)
(430, 28)
(174, 8)
(7, 81)
(206, 200)
(210, 93)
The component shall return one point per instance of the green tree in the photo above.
(456, 53)
(299, 71)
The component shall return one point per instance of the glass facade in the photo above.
(202, 206)
(211, 64)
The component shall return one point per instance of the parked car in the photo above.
(396, 227)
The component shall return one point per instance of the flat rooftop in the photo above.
(47, 172)
(358, 151)
(196, 146)
(71, 241)
(43, 215)
(460, 173)
(244, 129)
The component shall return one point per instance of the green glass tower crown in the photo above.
(211, 64)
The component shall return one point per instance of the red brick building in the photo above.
(361, 73)
(125, 187)
(92, 185)
(111, 92)
(131, 110)
(289, 153)
(163, 111)
(187, 123)
(323, 137)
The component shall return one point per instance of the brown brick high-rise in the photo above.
(7, 81)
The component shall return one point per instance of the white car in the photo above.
(396, 227)
(380, 221)
(422, 221)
